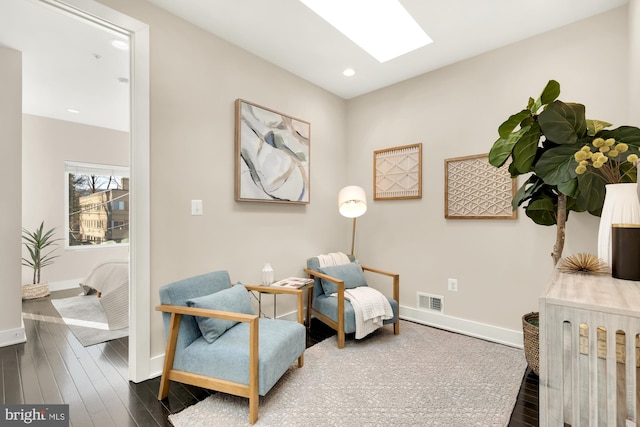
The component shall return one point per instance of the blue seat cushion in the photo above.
(281, 342)
(329, 307)
(351, 273)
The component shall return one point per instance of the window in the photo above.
(97, 205)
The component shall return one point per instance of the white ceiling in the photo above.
(288, 34)
(60, 69)
(59, 65)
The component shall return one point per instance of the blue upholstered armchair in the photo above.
(215, 341)
(336, 311)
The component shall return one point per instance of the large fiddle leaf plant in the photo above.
(543, 140)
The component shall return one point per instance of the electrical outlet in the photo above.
(453, 285)
(196, 207)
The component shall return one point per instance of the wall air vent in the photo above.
(432, 303)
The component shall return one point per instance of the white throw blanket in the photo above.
(370, 307)
(333, 258)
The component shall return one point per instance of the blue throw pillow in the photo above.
(235, 299)
(351, 274)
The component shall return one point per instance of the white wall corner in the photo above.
(13, 336)
(462, 326)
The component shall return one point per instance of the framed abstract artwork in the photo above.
(397, 173)
(271, 155)
(474, 189)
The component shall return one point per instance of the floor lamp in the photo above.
(352, 203)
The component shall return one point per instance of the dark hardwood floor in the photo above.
(53, 367)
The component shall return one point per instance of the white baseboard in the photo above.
(155, 366)
(64, 284)
(13, 336)
(462, 326)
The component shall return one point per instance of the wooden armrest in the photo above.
(203, 312)
(375, 270)
(272, 290)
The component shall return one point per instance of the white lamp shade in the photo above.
(352, 201)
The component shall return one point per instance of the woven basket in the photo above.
(38, 290)
(531, 341)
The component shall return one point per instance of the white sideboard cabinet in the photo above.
(589, 327)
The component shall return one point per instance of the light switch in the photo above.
(196, 207)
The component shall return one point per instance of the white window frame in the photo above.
(88, 168)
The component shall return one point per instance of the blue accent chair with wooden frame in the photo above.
(215, 341)
(337, 312)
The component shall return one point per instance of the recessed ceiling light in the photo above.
(383, 28)
(120, 44)
(73, 110)
(349, 72)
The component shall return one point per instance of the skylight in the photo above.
(383, 28)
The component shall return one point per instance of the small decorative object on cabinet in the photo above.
(583, 263)
(625, 251)
(621, 206)
(37, 242)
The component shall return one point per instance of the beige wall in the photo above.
(10, 134)
(502, 266)
(46, 145)
(195, 79)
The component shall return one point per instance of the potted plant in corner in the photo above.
(542, 141)
(37, 242)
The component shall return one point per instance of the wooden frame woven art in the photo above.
(474, 189)
(397, 173)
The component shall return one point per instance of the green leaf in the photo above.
(549, 94)
(630, 135)
(591, 194)
(557, 166)
(542, 210)
(569, 188)
(563, 123)
(532, 186)
(503, 147)
(595, 126)
(510, 124)
(530, 104)
(524, 152)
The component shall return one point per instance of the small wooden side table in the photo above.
(276, 290)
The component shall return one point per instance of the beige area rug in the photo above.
(422, 377)
(86, 319)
